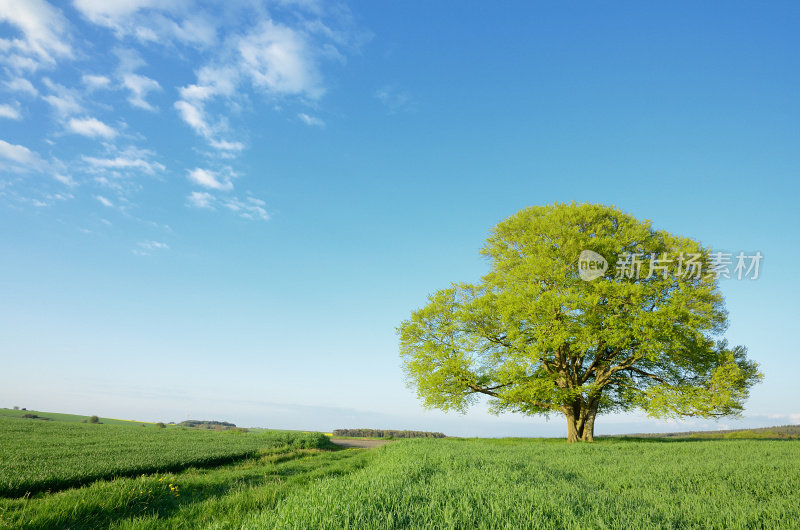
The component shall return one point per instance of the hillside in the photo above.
(780, 432)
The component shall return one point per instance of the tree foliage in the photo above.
(536, 338)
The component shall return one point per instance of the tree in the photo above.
(642, 331)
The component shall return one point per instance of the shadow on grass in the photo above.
(54, 485)
(156, 509)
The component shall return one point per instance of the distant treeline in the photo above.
(382, 433)
(204, 424)
(780, 432)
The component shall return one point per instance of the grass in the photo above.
(70, 418)
(196, 497)
(548, 484)
(111, 476)
(42, 455)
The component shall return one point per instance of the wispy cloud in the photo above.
(91, 127)
(151, 20)
(43, 34)
(120, 172)
(311, 120)
(275, 61)
(224, 145)
(112, 14)
(139, 87)
(20, 84)
(211, 180)
(47, 199)
(201, 199)
(16, 153)
(146, 248)
(212, 82)
(194, 115)
(95, 82)
(65, 101)
(67, 180)
(10, 112)
(394, 100)
(18, 158)
(153, 245)
(280, 60)
(250, 208)
(130, 159)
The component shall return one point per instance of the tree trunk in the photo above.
(580, 420)
(572, 429)
(588, 427)
(572, 411)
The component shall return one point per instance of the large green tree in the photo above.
(542, 333)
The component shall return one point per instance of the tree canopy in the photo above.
(638, 324)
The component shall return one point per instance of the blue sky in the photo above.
(224, 212)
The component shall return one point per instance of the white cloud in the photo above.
(251, 208)
(61, 196)
(108, 13)
(793, 418)
(224, 145)
(20, 84)
(95, 82)
(311, 120)
(151, 20)
(104, 201)
(7, 111)
(64, 106)
(127, 160)
(153, 245)
(65, 102)
(194, 115)
(395, 100)
(65, 179)
(201, 199)
(17, 153)
(139, 86)
(212, 81)
(280, 60)
(44, 35)
(275, 59)
(91, 127)
(210, 179)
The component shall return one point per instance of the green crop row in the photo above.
(537, 484)
(39, 455)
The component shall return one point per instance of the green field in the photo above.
(115, 476)
(71, 418)
(548, 484)
(44, 455)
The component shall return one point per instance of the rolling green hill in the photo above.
(68, 418)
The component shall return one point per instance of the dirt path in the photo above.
(361, 444)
